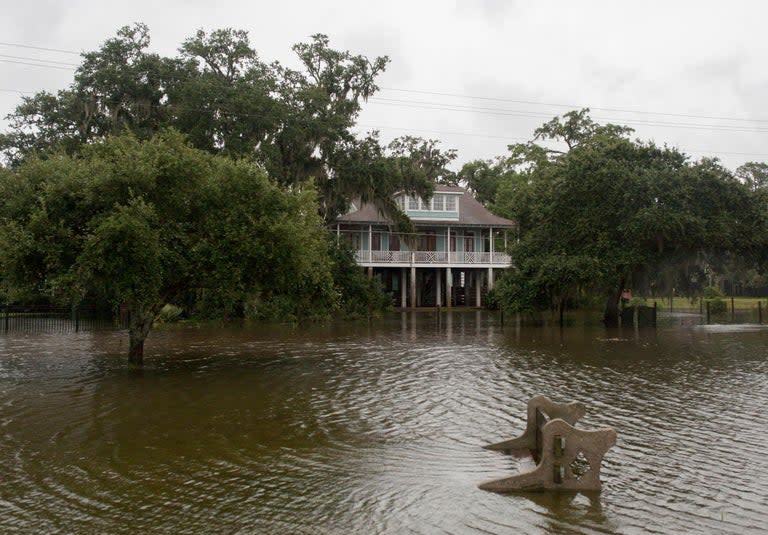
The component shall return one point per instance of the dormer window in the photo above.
(440, 202)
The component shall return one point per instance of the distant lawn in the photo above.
(685, 303)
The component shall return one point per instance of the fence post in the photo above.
(75, 318)
(707, 312)
(733, 309)
(7, 317)
(760, 312)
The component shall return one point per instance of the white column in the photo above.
(439, 290)
(413, 286)
(491, 242)
(370, 243)
(477, 277)
(448, 243)
(338, 232)
(403, 301)
(490, 278)
(448, 286)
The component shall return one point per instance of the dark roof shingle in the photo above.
(471, 213)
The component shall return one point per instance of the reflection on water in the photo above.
(377, 428)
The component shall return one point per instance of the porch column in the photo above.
(370, 272)
(490, 278)
(413, 286)
(491, 244)
(476, 275)
(370, 243)
(439, 292)
(448, 286)
(403, 274)
(448, 243)
(338, 233)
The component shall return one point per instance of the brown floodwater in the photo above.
(378, 428)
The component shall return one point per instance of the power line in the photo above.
(410, 129)
(36, 64)
(516, 113)
(18, 45)
(572, 106)
(40, 60)
(445, 132)
(509, 138)
(483, 97)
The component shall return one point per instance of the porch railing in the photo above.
(431, 257)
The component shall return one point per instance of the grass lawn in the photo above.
(685, 303)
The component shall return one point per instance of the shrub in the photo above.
(717, 306)
(712, 292)
(169, 313)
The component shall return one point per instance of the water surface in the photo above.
(377, 428)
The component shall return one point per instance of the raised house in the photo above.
(450, 261)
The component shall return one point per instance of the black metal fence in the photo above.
(52, 319)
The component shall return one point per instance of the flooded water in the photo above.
(378, 428)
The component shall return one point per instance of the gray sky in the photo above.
(691, 74)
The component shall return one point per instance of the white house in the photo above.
(451, 258)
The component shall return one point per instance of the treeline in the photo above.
(204, 180)
(607, 213)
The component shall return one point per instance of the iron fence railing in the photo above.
(56, 319)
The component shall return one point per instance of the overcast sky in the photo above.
(478, 75)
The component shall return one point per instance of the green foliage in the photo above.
(754, 175)
(717, 306)
(169, 314)
(712, 292)
(359, 295)
(296, 123)
(149, 223)
(611, 213)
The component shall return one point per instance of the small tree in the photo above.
(148, 223)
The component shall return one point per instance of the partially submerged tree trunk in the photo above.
(141, 319)
(611, 315)
(561, 307)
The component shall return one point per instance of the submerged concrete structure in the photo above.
(566, 458)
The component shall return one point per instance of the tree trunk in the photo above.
(611, 315)
(562, 310)
(141, 319)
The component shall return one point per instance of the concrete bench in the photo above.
(566, 458)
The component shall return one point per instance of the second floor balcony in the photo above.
(435, 258)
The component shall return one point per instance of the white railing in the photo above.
(390, 257)
(431, 257)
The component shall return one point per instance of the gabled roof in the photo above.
(471, 213)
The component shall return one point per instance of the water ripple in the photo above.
(377, 429)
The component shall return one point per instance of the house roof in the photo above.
(471, 213)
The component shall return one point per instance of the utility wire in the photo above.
(484, 97)
(39, 60)
(513, 113)
(488, 98)
(18, 45)
(509, 138)
(36, 64)
(572, 106)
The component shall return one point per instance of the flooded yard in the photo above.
(378, 428)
